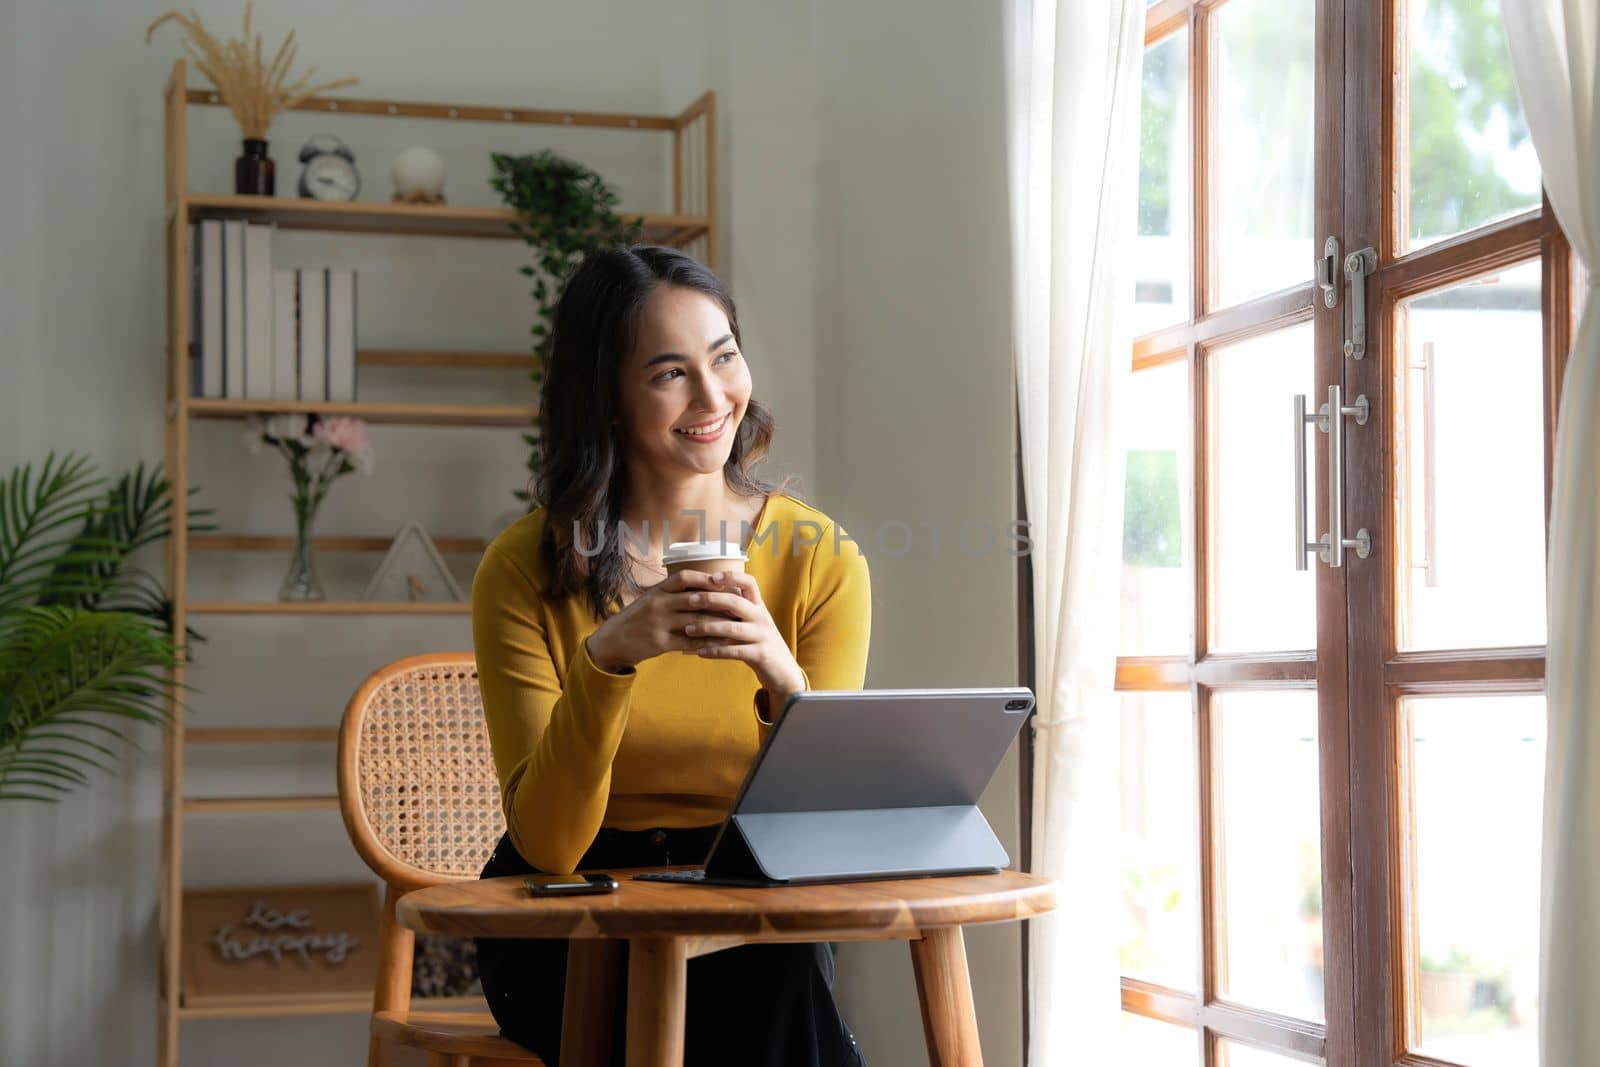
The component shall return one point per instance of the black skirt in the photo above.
(755, 1005)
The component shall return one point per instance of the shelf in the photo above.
(243, 1007)
(422, 220)
(520, 415)
(452, 358)
(251, 735)
(262, 1007)
(327, 607)
(201, 805)
(199, 542)
(478, 112)
(423, 357)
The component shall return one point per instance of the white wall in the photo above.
(862, 198)
(915, 389)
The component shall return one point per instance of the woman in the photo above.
(625, 707)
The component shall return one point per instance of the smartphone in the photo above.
(550, 885)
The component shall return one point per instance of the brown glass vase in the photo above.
(253, 171)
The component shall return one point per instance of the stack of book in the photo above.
(260, 333)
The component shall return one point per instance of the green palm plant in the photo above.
(86, 648)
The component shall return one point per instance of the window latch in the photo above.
(1328, 272)
(1358, 265)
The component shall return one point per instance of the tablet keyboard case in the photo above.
(936, 826)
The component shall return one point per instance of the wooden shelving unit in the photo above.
(201, 805)
(269, 1007)
(416, 220)
(325, 607)
(401, 414)
(388, 357)
(312, 1004)
(274, 543)
(691, 224)
(258, 735)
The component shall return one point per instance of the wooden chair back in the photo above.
(417, 784)
(418, 791)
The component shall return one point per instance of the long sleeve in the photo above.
(553, 743)
(834, 633)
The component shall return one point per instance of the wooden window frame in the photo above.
(1363, 980)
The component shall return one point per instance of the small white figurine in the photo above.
(419, 176)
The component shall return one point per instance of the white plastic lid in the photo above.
(694, 551)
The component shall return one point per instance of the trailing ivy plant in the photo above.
(565, 210)
(86, 642)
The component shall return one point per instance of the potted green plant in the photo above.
(564, 210)
(86, 641)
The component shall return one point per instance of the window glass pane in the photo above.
(1263, 160)
(1269, 860)
(1471, 474)
(1157, 590)
(1236, 1054)
(1473, 895)
(1160, 928)
(1163, 249)
(1468, 158)
(1258, 601)
(1150, 1042)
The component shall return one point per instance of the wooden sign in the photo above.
(279, 941)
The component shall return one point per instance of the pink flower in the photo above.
(347, 436)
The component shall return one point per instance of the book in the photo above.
(285, 336)
(208, 307)
(342, 335)
(233, 308)
(313, 333)
(194, 364)
(258, 355)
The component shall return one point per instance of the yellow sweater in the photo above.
(668, 743)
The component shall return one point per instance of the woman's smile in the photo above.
(704, 433)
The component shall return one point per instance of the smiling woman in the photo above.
(645, 344)
(611, 752)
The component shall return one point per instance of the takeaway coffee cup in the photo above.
(708, 556)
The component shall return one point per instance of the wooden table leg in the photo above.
(588, 1023)
(944, 989)
(657, 978)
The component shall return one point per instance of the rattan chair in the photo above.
(419, 796)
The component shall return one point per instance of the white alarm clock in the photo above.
(330, 169)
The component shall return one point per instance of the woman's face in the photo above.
(685, 372)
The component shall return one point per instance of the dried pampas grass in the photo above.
(256, 92)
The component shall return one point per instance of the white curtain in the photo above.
(1072, 94)
(1553, 54)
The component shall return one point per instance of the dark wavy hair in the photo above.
(583, 482)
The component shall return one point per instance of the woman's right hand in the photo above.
(651, 624)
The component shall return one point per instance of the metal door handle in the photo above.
(1428, 499)
(1301, 545)
(1330, 420)
(1335, 411)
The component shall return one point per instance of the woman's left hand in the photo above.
(749, 635)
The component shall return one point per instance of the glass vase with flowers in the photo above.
(319, 450)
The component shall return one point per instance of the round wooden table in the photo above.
(665, 925)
